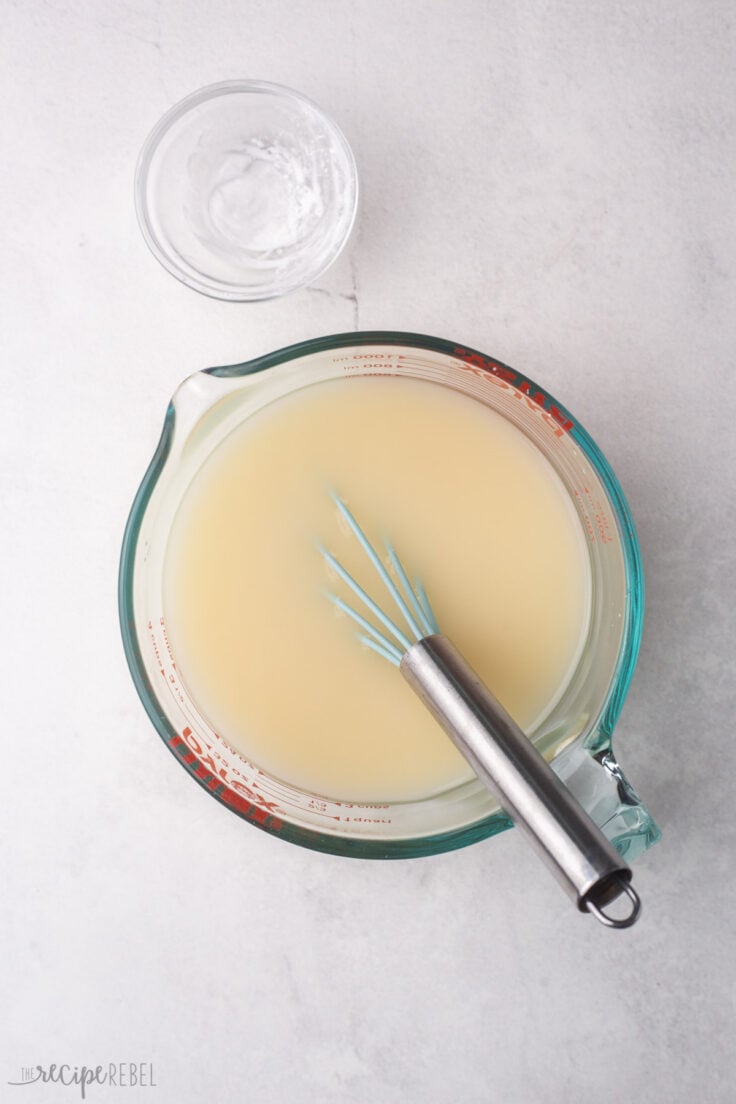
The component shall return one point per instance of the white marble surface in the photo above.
(551, 182)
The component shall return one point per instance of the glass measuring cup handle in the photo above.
(596, 779)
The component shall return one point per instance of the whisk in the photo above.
(504, 759)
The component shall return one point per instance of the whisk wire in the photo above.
(392, 655)
(367, 600)
(399, 569)
(386, 645)
(424, 602)
(383, 573)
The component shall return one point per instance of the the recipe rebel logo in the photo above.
(117, 1075)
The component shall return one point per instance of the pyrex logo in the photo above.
(523, 389)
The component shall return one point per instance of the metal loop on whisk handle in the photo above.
(584, 861)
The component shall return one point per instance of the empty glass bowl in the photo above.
(246, 190)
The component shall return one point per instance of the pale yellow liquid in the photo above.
(472, 507)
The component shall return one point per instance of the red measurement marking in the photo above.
(262, 812)
(162, 623)
(252, 812)
(486, 367)
(595, 518)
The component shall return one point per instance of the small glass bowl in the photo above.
(245, 190)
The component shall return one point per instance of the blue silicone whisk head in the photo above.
(411, 601)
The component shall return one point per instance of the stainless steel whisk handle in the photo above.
(584, 861)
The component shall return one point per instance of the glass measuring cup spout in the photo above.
(576, 734)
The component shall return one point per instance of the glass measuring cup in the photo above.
(576, 734)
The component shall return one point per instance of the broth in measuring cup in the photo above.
(476, 511)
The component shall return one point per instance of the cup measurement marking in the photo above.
(260, 798)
